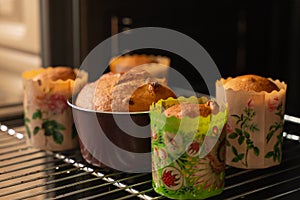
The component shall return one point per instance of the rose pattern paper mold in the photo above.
(48, 118)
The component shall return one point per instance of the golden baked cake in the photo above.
(125, 63)
(56, 73)
(102, 98)
(188, 109)
(137, 90)
(251, 82)
(145, 95)
(132, 91)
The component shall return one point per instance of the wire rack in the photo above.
(30, 173)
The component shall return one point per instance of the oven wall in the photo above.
(241, 36)
(247, 36)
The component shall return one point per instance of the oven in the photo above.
(241, 37)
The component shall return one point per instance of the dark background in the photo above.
(241, 36)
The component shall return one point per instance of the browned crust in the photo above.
(188, 109)
(103, 93)
(132, 91)
(56, 73)
(251, 82)
(127, 62)
(145, 95)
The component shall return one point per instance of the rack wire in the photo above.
(30, 173)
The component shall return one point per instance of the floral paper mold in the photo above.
(188, 154)
(254, 127)
(48, 118)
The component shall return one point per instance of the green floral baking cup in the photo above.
(188, 154)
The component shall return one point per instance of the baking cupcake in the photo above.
(256, 108)
(48, 118)
(188, 147)
(158, 66)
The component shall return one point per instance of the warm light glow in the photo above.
(3, 128)
(292, 119)
(11, 132)
(19, 136)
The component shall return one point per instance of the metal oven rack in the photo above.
(29, 173)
